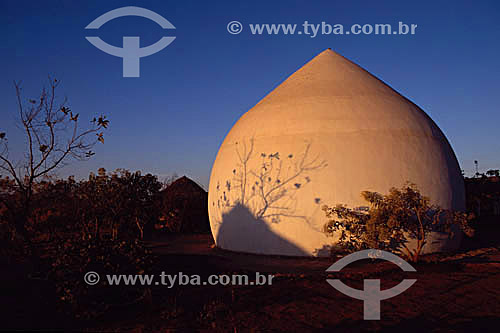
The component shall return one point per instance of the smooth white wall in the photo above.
(338, 131)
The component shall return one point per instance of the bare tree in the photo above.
(53, 137)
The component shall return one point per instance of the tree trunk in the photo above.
(141, 229)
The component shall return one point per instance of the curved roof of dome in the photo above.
(344, 131)
(330, 91)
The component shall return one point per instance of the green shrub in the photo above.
(392, 219)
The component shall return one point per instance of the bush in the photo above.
(79, 256)
(392, 219)
(76, 227)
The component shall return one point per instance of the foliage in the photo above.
(95, 224)
(117, 206)
(70, 227)
(78, 256)
(122, 202)
(53, 136)
(392, 219)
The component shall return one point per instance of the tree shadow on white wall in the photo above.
(268, 188)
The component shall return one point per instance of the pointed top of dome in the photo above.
(332, 74)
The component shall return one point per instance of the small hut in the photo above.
(184, 207)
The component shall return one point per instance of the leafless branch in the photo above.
(52, 137)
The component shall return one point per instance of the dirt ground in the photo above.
(457, 293)
(453, 293)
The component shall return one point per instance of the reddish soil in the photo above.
(453, 293)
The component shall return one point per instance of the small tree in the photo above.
(140, 194)
(53, 137)
(120, 203)
(392, 219)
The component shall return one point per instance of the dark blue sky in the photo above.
(175, 116)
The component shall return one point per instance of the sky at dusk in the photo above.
(174, 117)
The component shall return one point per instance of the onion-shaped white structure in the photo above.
(327, 133)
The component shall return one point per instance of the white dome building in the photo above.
(327, 133)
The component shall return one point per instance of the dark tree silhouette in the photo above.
(53, 137)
